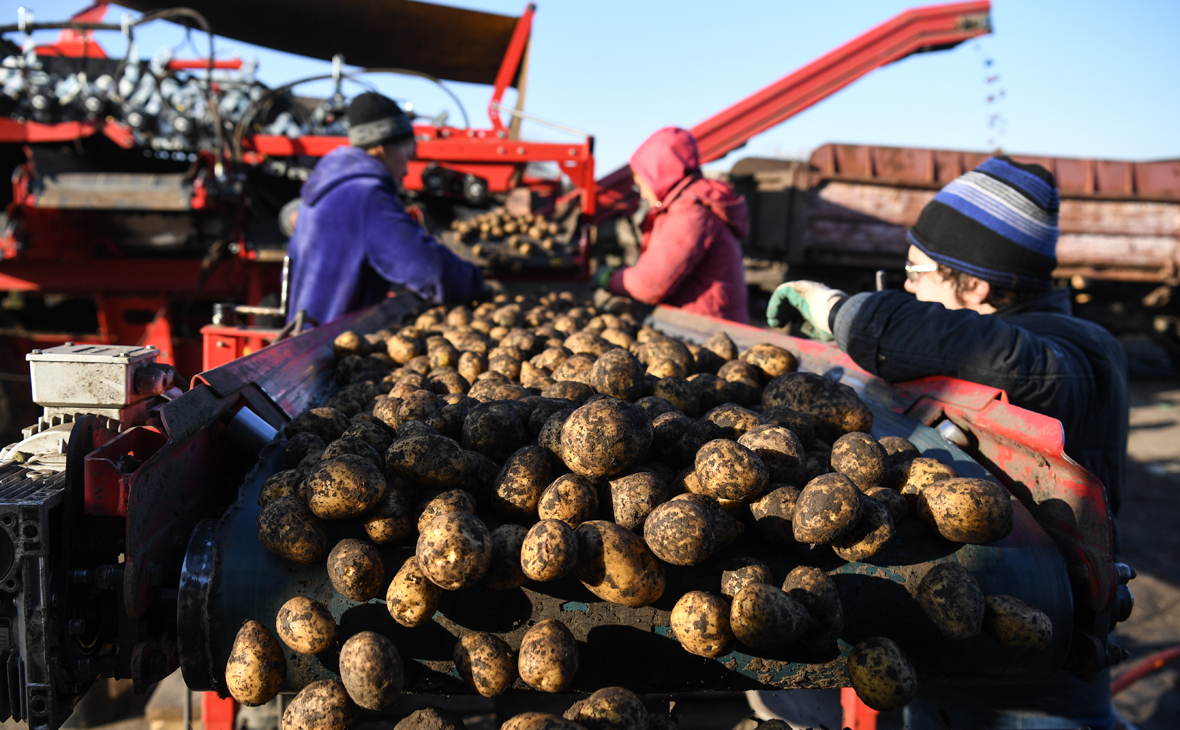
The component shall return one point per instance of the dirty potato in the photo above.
(950, 596)
(327, 423)
(911, 476)
(763, 617)
(610, 708)
(898, 449)
(700, 622)
(615, 565)
(486, 663)
(344, 486)
(816, 591)
(859, 457)
(773, 513)
(1023, 628)
(393, 519)
(834, 408)
(780, 450)
(896, 504)
(617, 373)
(306, 626)
(286, 483)
(520, 483)
(771, 360)
(571, 499)
(453, 500)
(428, 459)
(827, 508)
(871, 534)
(540, 721)
(455, 550)
(740, 572)
(494, 430)
(356, 570)
(729, 421)
(371, 669)
(548, 657)
(300, 445)
(287, 528)
(320, 705)
(726, 527)
(352, 445)
(412, 598)
(679, 392)
(676, 438)
(604, 437)
(882, 674)
(505, 572)
(680, 532)
(728, 470)
(634, 496)
(976, 511)
(256, 668)
(549, 551)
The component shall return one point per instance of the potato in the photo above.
(771, 360)
(871, 534)
(455, 551)
(550, 358)
(975, 511)
(393, 520)
(494, 430)
(568, 390)
(728, 470)
(287, 483)
(763, 617)
(773, 513)
(610, 708)
(549, 551)
(300, 445)
(827, 508)
(615, 565)
(352, 445)
(256, 668)
(576, 368)
(700, 622)
(617, 373)
(471, 365)
(548, 657)
(519, 485)
(412, 598)
(881, 674)
(665, 348)
(818, 459)
(951, 597)
(454, 500)
(676, 438)
(780, 450)
(740, 371)
(371, 669)
(896, 504)
(666, 369)
(740, 572)
(680, 532)
(505, 572)
(898, 450)
(604, 437)
(834, 408)
(711, 391)
(726, 528)
(729, 421)
(379, 437)
(428, 459)
(287, 528)
(816, 591)
(320, 705)
(349, 343)
(859, 457)
(306, 626)
(571, 499)
(356, 570)
(344, 486)
(327, 423)
(910, 477)
(540, 721)
(1023, 628)
(402, 349)
(634, 496)
(720, 344)
(430, 718)
(486, 663)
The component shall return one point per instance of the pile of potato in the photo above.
(523, 234)
(530, 439)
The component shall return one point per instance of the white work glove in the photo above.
(813, 300)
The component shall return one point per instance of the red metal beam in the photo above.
(935, 27)
(510, 66)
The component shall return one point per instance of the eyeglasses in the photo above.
(913, 272)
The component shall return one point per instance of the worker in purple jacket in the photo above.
(354, 238)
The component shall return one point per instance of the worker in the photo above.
(354, 238)
(691, 254)
(980, 266)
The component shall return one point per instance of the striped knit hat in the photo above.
(997, 222)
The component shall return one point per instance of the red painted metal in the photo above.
(1141, 669)
(198, 64)
(510, 66)
(223, 344)
(934, 27)
(73, 44)
(108, 475)
(217, 713)
(857, 715)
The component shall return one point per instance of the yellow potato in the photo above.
(1023, 628)
(975, 511)
(700, 622)
(548, 658)
(411, 597)
(256, 668)
(455, 551)
(763, 617)
(371, 669)
(306, 626)
(881, 674)
(320, 705)
(287, 528)
(615, 565)
(486, 663)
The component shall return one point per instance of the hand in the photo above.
(602, 277)
(813, 300)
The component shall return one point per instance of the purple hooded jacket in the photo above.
(353, 239)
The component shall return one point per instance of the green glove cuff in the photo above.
(785, 295)
(603, 276)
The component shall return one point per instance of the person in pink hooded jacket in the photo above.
(691, 254)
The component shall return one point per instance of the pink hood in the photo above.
(665, 158)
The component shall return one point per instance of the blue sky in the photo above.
(1079, 78)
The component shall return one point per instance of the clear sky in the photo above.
(1082, 78)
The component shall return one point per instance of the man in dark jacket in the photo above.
(980, 264)
(354, 238)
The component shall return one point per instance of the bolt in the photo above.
(1115, 654)
(76, 626)
(36, 352)
(1126, 572)
(69, 344)
(1079, 573)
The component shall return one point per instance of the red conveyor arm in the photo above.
(917, 30)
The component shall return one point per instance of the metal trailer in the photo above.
(168, 565)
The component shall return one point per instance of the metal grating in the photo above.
(20, 483)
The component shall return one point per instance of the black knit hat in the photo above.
(997, 222)
(374, 119)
